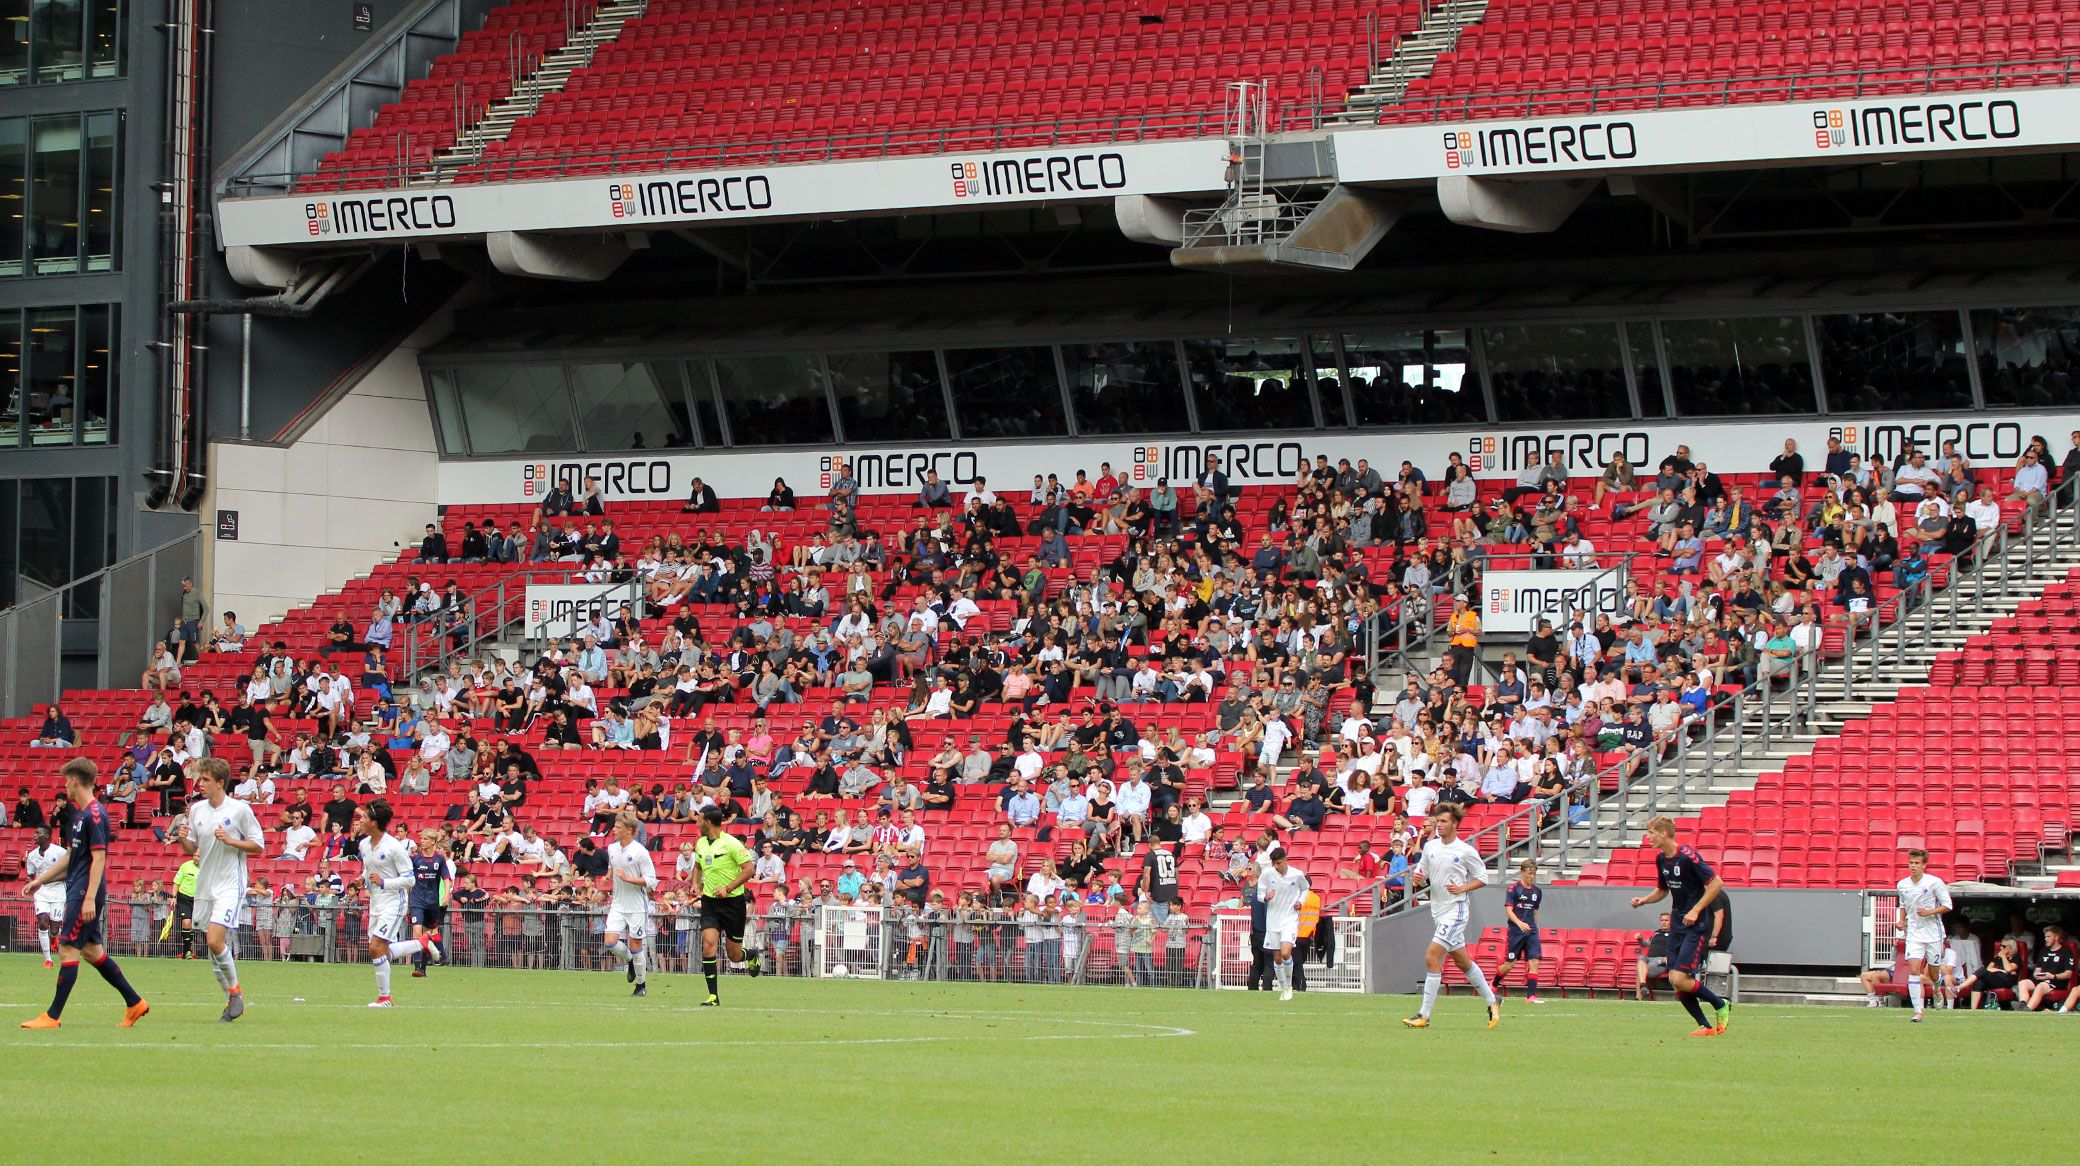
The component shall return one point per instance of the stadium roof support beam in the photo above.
(570, 258)
(1336, 234)
(1498, 204)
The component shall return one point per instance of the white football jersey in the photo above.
(1447, 864)
(1281, 893)
(221, 869)
(633, 860)
(389, 867)
(35, 862)
(1913, 896)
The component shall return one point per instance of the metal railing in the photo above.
(429, 644)
(32, 631)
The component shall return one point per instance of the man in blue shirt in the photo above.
(1021, 806)
(84, 868)
(1683, 876)
(1520, 904)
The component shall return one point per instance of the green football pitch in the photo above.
(510, 1066)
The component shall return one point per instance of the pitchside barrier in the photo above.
(1097, 947)
(1332, 960)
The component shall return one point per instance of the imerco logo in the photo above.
(379, 216)
(1549, 602)
(1243, 461)
(1978, 441)
(1040, 174)
(1554, 145)
(1491, 453)
(1916, 123)
(622, 479)
(903, 471)
(665, 198)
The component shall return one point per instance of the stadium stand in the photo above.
(1562, 57)
(690, 84)
(1224, 748)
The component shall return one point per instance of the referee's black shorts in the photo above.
(724, 914)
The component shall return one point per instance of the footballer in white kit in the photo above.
(386, 866)
(1282, 888)
(49, 899)
(1453, 870)
(628, 914)
(1923, 900)
(221, 832)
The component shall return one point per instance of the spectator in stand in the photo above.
(1789, 464)
(1618, 478)
(701, 499)
(934, 494)
(434, 547)
(2051, 973)
(2002, 973)
(2032, 481)
(57, 731)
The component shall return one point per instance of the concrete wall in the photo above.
(1771, 928)
(362, 479)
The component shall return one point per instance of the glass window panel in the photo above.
(57, 26)
(1646, 368)
(14, 44)
(440, 383)
(700, 374)
(54, 194)
(1725, 367)
(52, 385)
(1126, 386)
(100, 180)
(774, 400)
(1413, 377)
(105, 38)
(2028, 357)
(629, 405)
(1556, 372)
(1875, 361)
(1328, 382)
(11, 379)
(10, 550)
(46, 530)
(889, 396)
(14, 192)
(1006, 392)
(516, 409)
(1250, 382)
(92, 529)
(95, 402)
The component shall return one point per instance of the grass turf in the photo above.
(492, 1065)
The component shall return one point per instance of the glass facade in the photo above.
(57, 376)
(52, 531)
(1271, 382)
(2028, 357)
(54, 41)
(58, 184)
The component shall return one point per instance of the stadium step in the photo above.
(553, 73)
(1412, 58)
(1794, 989)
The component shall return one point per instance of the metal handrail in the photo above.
(540, 630)
(429, 645)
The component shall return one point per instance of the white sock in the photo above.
(405, 949)
(382, 966)
(1871, 998)
(1914, 987)
(43, 940)
(226, 969)
(641, 959)
(1283, 971)
(619, 950)
(1431, 983)
(1480, 982)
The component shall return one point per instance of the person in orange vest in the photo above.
(1310, 921)
(1465, 631)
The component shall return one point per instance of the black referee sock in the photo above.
(708, 969)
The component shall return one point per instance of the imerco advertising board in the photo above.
(1987, 439)
(558, 610)
(1720, 136)
(1071, 173)
(1514, 601)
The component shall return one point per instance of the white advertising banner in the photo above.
(1716, 136)
(564, 607)
(1514, 601)
(1741, 447)
(927, 182)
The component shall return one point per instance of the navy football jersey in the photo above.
(87, 833)
(1684, 876)
(1525, 901)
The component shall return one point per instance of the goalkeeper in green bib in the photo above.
(725, 869)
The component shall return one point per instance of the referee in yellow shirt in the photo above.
(725, 868)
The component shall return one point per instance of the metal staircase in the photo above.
(550, 76)
(1253, 214)
(1769, 726)
(1411, 59)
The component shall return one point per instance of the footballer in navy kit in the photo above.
(1520, 903)
(1692, 885)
